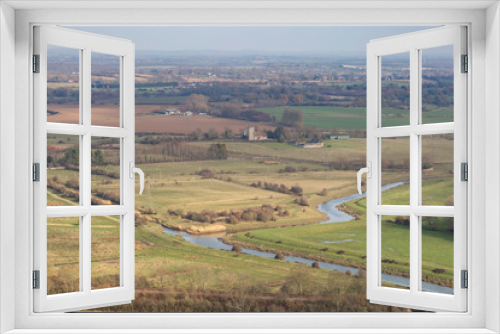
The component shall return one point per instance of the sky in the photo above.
(311, 40)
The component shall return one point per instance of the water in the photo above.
(334, 216)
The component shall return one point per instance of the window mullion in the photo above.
(85, 172)
(414, 171)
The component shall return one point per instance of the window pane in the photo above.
(395, 83)
(395, 239)
(105, 252)
(63, 85)
(105, 90)
(63, 255)
(437, 254)
(105, 171)
(437, 170)
(63, 164)
(395, 165)
(437, 84)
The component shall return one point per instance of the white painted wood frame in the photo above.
(413, 44)
(483, 20)
(85, 43)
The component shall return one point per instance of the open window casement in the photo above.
(80, 291)
(416, 134)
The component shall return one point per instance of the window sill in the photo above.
(252, 331)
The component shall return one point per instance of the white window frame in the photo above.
(85, 44)
(484, 103)
(413, 44)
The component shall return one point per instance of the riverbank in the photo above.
(229, 240)
(337, 259)
(343, 242)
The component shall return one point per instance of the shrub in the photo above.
(389, 261)
(402, 221)
(233, 220)
(296, 190)
(110, 196)
(204, 216)
(279, 256)
(148, 211)
(206, 173)
(237, 249)
(140, 220)
(73, 183)
(249, 215)
(302, 201)
(431, 223)
(427, 162)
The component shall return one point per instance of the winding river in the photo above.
(334, 215)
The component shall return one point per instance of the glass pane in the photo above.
(105, 252)
(63, 255)
(63, 164)
(395, 82)
(105, 90)
(395, 164)
(395, 239)
(437, 170)
(437, 84)
(63, 85)
(105, 171)
(437, 254)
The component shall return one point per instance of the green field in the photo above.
(349, 118)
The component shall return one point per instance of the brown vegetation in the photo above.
(262, 213)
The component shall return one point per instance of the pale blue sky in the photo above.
(294, 40)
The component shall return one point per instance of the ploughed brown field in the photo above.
(145, 121)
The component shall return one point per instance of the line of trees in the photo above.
(180, 151)
(280, 188)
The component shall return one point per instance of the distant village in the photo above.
(252, 135)
(174, 111)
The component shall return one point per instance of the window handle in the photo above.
(139, 171)
(368, 171)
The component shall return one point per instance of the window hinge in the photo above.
(36, 279)
(465, 64)
(464, 171)
(465, 279)
(36, 63)
(36, 172)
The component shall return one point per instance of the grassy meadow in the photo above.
(173, 275)
(352, 118)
